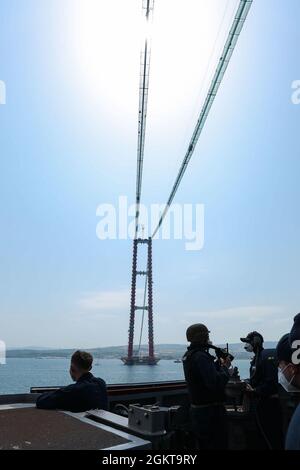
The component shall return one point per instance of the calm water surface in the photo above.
(18, 375)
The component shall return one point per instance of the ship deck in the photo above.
(27, 428)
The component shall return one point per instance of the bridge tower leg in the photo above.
(150, 303)
(131, 358)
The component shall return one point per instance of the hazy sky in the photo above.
(68, 137)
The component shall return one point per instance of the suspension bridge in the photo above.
(134, 356)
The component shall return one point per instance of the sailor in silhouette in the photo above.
(206, 381)
(87, 393)
(263, 389)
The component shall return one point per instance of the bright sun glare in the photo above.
(187, 37)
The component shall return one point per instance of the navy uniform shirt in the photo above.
(87, 393)
(205, 381)
(264, 373)
(293, 434)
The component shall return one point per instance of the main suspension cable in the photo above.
(236, 28)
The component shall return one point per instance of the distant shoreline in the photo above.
(163, 351)
(46, 358)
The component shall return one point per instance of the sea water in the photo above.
(19, 374)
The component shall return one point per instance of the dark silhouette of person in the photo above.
(263, 389)
(206, 381)
(289, 378)
(87, 393)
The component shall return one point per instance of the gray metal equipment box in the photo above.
(150, 420)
